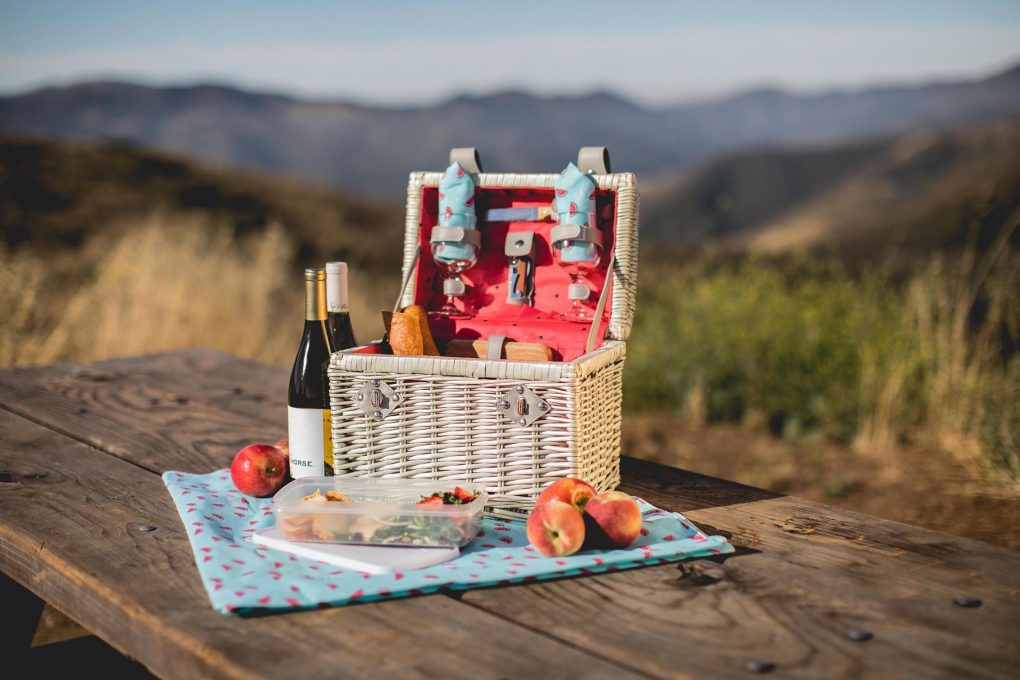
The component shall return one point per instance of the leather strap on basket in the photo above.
(575, 232)
(600, 308)
(468, 158)
(455, 235)
(593, 159)
(494, 347)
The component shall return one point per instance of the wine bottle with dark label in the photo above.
(338, 308)
(308, 415)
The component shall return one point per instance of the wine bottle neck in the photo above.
(315, 295)
(336, 287)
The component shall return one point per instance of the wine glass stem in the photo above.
(450, 297)
(578, 308)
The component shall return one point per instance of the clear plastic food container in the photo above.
(371, 511)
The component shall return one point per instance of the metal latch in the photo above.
(376, 399)
(522, 405)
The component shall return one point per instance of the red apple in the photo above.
(259, 470)
(572, 491)
(612, 518)
(555, 529)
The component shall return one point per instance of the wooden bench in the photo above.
(812, 591)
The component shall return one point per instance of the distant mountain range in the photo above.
(371, 149)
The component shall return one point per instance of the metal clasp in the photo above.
(376, 399)
(522, 405)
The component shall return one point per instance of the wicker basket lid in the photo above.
(623, 285)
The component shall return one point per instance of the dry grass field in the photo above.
(166, 284)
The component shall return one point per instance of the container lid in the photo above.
(372, 511)
(381, 495)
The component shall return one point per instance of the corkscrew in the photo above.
(520, 251)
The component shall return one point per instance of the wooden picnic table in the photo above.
(813, 590)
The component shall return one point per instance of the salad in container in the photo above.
(371, 511)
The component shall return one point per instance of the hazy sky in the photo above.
(394, 52)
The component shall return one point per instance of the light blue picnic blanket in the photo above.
(241, 576)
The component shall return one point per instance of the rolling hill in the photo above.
(909, 193)
(371, 149)
(56, 195)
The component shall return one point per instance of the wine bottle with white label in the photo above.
(338, 309)
(308, 416)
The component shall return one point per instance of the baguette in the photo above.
(428, 344)
(405, 335)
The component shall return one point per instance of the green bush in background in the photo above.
(806, 347)
(757, 341)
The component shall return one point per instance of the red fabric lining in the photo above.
(487, 280)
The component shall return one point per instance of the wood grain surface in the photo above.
(805, 574)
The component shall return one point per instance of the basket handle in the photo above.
(468, 158)
(593, 159)
(600, 308)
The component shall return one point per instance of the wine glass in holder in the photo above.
(452, 258)
(577, 258)
(455, 238)
(576, 240)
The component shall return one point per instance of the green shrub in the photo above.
(807, 347)
(780, 344)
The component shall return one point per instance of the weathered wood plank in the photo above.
(683, 490)
(793, 601)
(135, 414)
(56, 626)
(68, 533)
(808, 575)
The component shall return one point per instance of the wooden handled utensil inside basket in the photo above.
(516, 351)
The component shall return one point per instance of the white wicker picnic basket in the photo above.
(448, 418)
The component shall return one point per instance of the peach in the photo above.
(555, 529)
(572, 491)
(612, 518)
